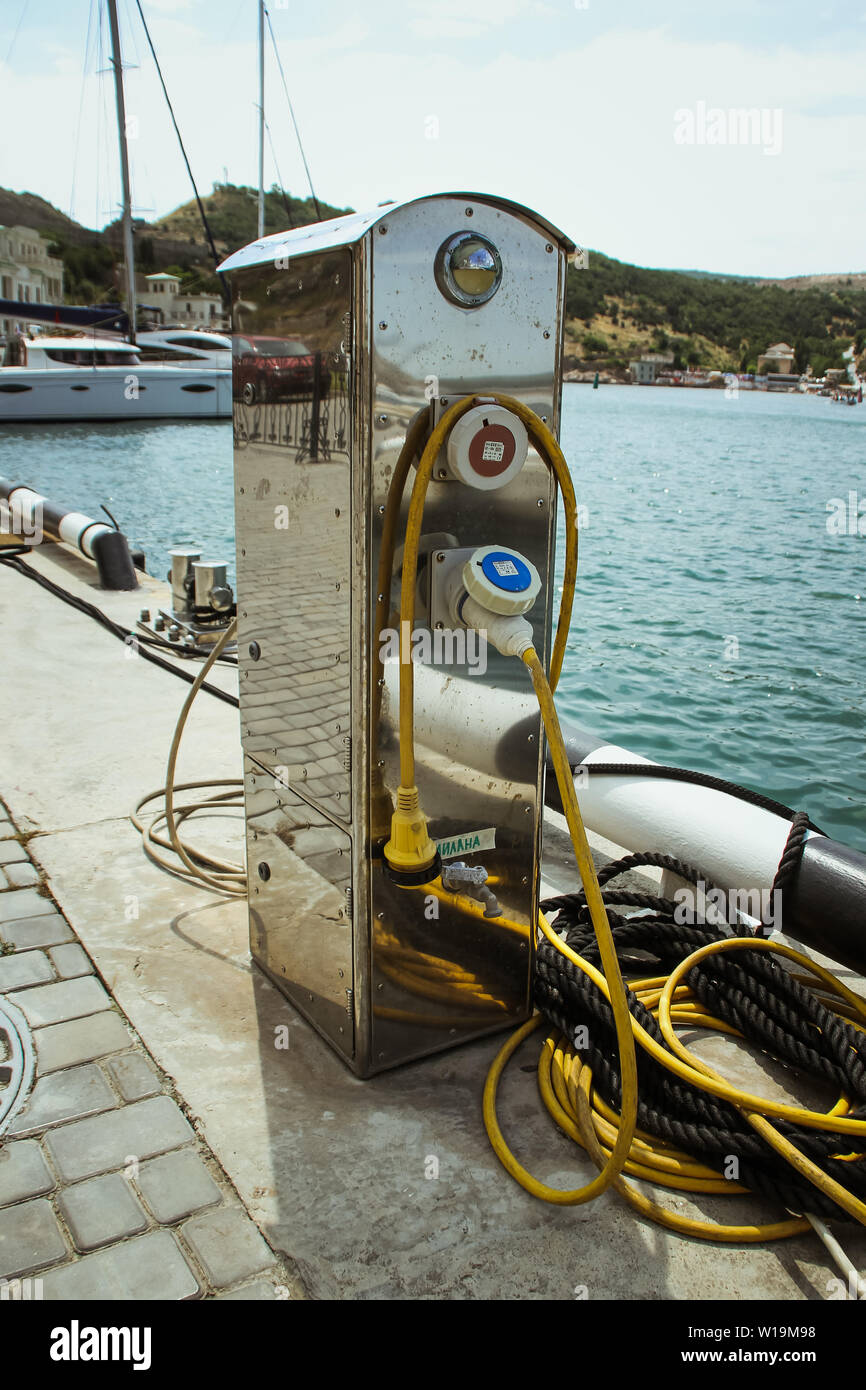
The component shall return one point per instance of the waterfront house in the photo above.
(28, 273)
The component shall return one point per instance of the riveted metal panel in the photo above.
(441, 972)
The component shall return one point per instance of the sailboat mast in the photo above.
(261, 118)
(128, 254)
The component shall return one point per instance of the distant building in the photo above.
(645, 370)
(777, 359)
(27, 273)
(165, 300)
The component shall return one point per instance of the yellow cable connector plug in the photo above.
(410, 855)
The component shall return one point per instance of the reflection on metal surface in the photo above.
(346, 344)
(481, 977)
(300, 872)
(293, 517)
(468, 269)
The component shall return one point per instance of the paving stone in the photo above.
(70, 961)
(21, 875)
(65, 1095)
(24, 934)
(134, 1076)
(177, 1185)
(26, 902)
(87, 1147)
(228, 1245)
(102, 1210)
(11, 851)
(23, 1172)
(30, 1238)
(260, 1291)
(150, 1267)
(67, 999)
(65, 1044)
(23, 969)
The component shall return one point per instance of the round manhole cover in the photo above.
(16, 1061)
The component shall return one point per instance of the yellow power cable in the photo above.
(410, 847)
(615, 1161)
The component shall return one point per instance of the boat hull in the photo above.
(114, 393)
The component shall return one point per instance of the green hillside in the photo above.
(615, 311)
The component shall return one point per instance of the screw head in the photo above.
(255, 651)
(264, 872)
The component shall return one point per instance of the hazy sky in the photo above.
(617, 119)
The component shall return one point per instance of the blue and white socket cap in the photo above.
(501, 579)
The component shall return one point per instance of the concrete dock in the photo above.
(172, 1145)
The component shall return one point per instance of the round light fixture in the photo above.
(468, 269)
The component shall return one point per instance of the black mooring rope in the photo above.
(749, 990)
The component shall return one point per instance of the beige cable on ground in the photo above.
(191, 863)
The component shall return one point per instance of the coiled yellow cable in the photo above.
(565, 1083)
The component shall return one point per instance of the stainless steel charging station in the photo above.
(343, 333)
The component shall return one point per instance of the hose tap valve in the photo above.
(459, 877)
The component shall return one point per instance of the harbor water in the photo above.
(720, 620)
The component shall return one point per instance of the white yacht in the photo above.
(177, 346)
(93, 378)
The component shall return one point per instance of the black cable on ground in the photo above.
(125, 634)
(747, 990)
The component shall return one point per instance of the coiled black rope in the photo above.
(748, 990)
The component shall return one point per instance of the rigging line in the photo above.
(279, 176)
(101, 112)
(292, 114)
(199, 204)
(17, 31)
(81, 107)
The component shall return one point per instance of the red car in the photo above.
(266, 369)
